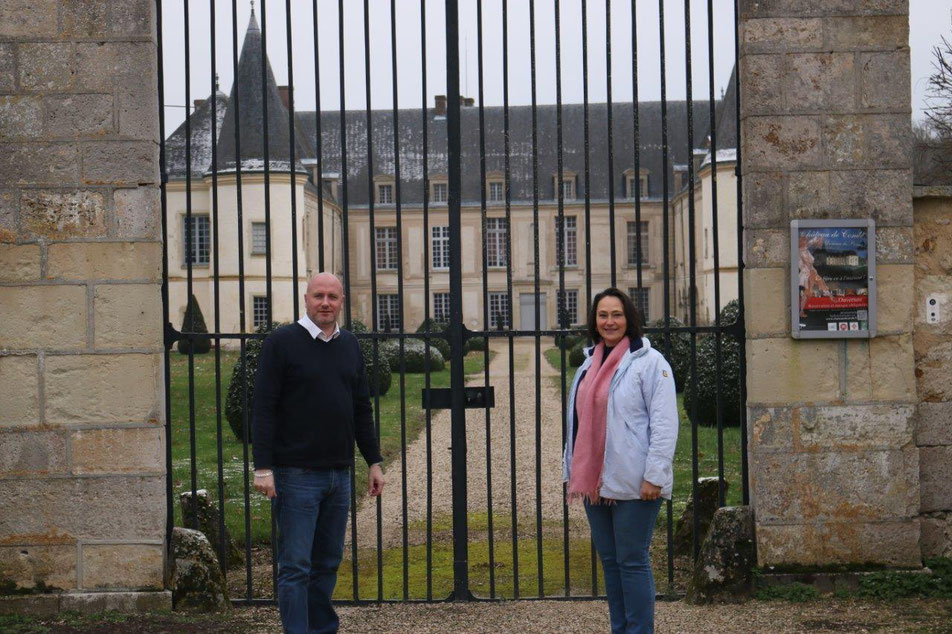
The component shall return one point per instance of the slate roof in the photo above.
(201, 134)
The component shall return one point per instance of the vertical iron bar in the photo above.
(319, 146)
(636, 123)
(267, 165)
(293, 167)
(611, 143)
(740, 330)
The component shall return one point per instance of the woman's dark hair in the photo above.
(632, 319)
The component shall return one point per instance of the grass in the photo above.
(234, 469)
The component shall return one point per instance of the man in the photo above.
(311, 402)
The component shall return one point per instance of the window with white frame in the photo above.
(568, 307)
(201, 239)
(259, 310)
(569, 237)
(388, 312)
(498, 310)
(441, 192)
(640, 298)
(496, 241)
(385, 193)
(440, 248)
(568, 186)
(259, 238)
(497, 191)
(441, 307)
(637, 239)
(386, 247)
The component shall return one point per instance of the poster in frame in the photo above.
(833, 279)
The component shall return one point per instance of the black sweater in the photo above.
(311, 401)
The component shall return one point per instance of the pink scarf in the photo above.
(591, 401)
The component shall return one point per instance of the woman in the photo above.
(621, 429)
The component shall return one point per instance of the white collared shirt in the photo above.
(315, 331)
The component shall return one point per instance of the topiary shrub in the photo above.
(708, 379)
(680, 356)
(438, 342)
(570, 340)
(379, 373)
(194, 321)
(577, 354)
(474, 344)
(414, 356)
(243, 381)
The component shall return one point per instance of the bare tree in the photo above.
(933, 139)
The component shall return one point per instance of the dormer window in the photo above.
(630, 184)
(439, 191)
(568, 185)
(384, 190)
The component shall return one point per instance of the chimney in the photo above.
(440, 105)
(285, 93)
(198, 103)
(469, 102)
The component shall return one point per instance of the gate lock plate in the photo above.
(474, 397)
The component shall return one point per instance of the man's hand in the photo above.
(264, 482)
(375, 480)
(649, 491)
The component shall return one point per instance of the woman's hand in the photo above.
(649, 491)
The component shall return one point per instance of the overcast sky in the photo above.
(929, 19)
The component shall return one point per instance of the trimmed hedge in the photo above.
(194, 321)
(379, 374)
(414, 355)
(436, 341)
(708, 379)
(243, 381)
(680, 357)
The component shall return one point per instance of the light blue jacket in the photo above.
(642, 425)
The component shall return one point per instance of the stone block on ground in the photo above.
(196, 581)
(707, 497)
(208, 523)
(723, 572)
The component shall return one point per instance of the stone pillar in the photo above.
(81, 422)
(825, 109)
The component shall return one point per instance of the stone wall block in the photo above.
(820, 81)
(53, 566)
(808, 195)
(137, 118)
(68, 509)
(892, 367)
(760, 91)
(33, 453)
(28, 18)
(781, 143)
(46, 67)
(933, 355)
(105, 261)
(763, 200)
(136, 212)
(843, 141)
(854, 427)
(105, 18)
(120, 163)
(120, 450)
(8, 67)
(884, 195)
(878, 33)
(766, 248)
(772, 428)
(125, 315)
(21, 117)
(885, 80)
(79, 116)
(782, 370)
(935, 474)
(813, 8)
(127, 566)
(936, 535)
(105, 66)
(768, 35)
(934, 424)
(889, 144)
(767, 318)
(53, 164)
(887, 543)
(102, 388)
(894, 245)
(897, 288)
(20, 378)
(62, 214)
(933, 239)
(32, 318)
(19, 263)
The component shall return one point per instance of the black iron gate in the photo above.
(483, 181)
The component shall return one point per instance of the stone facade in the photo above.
(81, 427)
(825, 123)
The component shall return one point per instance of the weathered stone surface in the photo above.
(885, 78)
(763, 200)
(791, 371)
(707, 505)
(935, 476)
(896, 297)
(33, 453)
(62, 214)
(892, 368)
(31, 320)
(103, 66)
(836, 486)
(772, 428)
(894, 245)
(820, 81)
(936, 535)
(781, 34)
(50, 567)
(28, 18)
(68, 509)
(21, 117)
(120, 163)
(120, 450)
(886, 32)
(781, 143)
(103, 388)
(137, 108)
(21, 385)
(124, 315)
(200, 512)
(932, 370)
(9, 210)
(8, 67)
(113, 566)
(126, 602)
(19, 263)
(105, 261)
(38, 70)
(83, 116)
(843, 141)
(104, 18)
(808, 195)
(811, 8)
(34, 605)
(934, 424)
(933, 237)
(892, 543)
(766, 248)
(766, 318)
(854, 427)
(883, 195)
(137, 212)
(760, 90)
(723, 572)
(196, 580)
(54, 164)
(889, 144)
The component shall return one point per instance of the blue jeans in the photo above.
(311, 509)
(622, 534)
